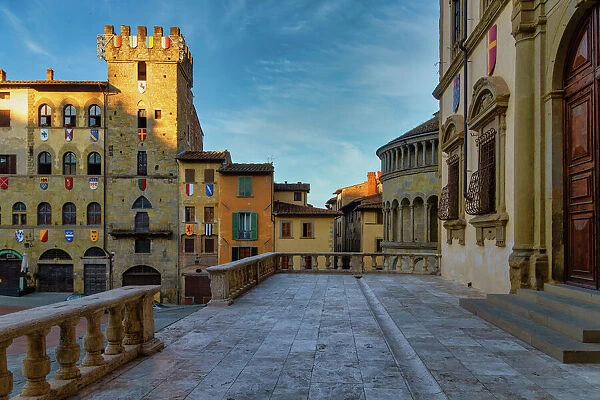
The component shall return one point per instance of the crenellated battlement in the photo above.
(123, 46)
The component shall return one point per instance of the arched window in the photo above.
(19, 216)
(70, 115)
(45, 115)
(44, 163)
(44, 214)
(94, 166)
(95, 115)
(69, 163)
(142, 222)
(142, 202)
(94, 216)
(69, 215)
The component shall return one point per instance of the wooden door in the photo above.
(581, 157)
(94, 278)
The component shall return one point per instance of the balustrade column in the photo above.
(132, 324)
(327, 262)
(114, 331)
(67, 351)
(93, 342)
(6, 377)
(425, 264)
(36, 365)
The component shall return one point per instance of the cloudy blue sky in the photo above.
(313, 86)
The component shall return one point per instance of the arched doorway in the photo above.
(141, 275)
(95, 261)
(581, 152)
(55, 271)
(10, 266)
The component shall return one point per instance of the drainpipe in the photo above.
(461, 46)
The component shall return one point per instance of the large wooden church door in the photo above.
(581, 151)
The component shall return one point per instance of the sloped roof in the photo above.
(204, 156)
(282, 208)
(250, 169)
(372, 202)
(292, 187)
(31, 83)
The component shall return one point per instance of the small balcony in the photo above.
(130, 230)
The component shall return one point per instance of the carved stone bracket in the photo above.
(455, 229)
(491, 227)
(528, 269)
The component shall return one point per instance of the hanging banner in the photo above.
(68, 135)
(165, 42)
(19, 236)
(142, 134)
(93, 183)
(133, 41)
(189, 229)
(43, 235)
(117, 41)
(44, 134)
(3, 182)
(142, 184)
(69, 183)
(456, 93)
(93, 135)
(492, 49)
(189, 189)
(210, 189)
(142, 86)
(149, 42)
(94, 235)
(44, 182)
(69, 235)
(208, 229)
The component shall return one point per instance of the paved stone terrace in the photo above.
(317, 336)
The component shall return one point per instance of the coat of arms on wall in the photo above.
(44, 182)
(19, 236)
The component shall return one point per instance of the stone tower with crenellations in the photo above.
(151, 117)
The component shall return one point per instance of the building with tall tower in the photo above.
(151, 119)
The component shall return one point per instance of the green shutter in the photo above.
(240, 186)
(234, 225)
(249, 186)
(254, 222)
(235, 253)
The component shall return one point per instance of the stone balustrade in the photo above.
(228, 281)
(129, 334)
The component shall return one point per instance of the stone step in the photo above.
(580, 329)
(553, 343)
(566, 304)
(574, 292)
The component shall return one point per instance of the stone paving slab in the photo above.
(303, 336)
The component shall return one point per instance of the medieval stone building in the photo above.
(409, 166)
(88, 169)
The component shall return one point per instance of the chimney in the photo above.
(371, 183)
(49, 74)
(2, 75)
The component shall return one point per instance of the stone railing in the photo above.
(129, 334)
(228, 281)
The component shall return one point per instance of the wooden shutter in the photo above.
(190, 175)
(254, 222)
(235, 219)
(235, 253)
(254, 251)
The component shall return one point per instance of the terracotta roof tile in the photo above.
(292, 187)
(252, 169)
(281, 208)
(204, 156)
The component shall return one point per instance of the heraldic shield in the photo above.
(94, 235)
(69, 183)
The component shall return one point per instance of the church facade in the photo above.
(518, 111)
